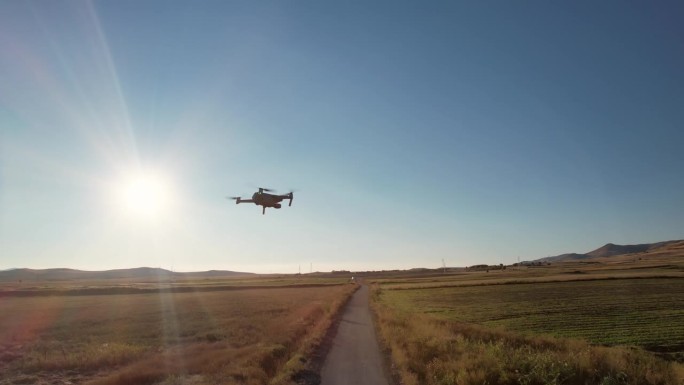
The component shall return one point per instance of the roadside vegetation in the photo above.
(248, 336)
(533, 333)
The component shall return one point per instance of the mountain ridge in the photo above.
(611, 250)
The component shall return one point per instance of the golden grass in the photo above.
(251, 336)
(155, 284)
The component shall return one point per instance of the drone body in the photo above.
(264, 199)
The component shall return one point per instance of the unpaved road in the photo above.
(355, 358)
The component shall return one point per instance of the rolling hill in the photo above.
(611, 250)
(62, 274)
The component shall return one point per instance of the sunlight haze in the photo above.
(473, 132)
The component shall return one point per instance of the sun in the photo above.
(145, 196)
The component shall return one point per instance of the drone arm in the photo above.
(244, 201)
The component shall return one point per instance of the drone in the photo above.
(263, 198)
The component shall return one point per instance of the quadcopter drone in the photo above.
(263, 198)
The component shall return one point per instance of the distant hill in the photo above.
(63, 274)
(610, 250)
(564, 257)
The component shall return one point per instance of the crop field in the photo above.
(567, 272)
(164, 283)
(568, 324)
(643, 312)
(248, 336)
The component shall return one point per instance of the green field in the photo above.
(618, 321)
(643, 312)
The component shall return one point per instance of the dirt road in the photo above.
(355, 356)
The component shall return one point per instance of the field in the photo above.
(43, 287)
(246, 336)
(643, 312)
(571, 323)
(605, 321)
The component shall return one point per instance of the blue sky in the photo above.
(475, 132)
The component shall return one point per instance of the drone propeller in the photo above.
(236, 199)
(266, 189)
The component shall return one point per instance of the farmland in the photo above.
(643, 312)
(250, 335)
(568, 323)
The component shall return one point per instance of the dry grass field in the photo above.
(612, 322)
(247, 336)
(78, 286)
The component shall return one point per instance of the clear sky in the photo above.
(469, 131)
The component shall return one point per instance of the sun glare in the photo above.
(145, 196)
